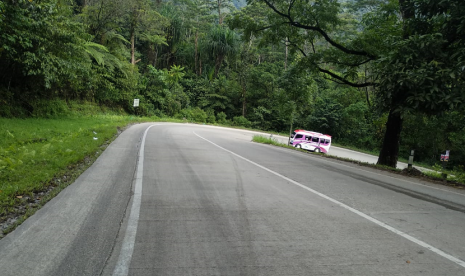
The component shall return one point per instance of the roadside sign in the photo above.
(445, 157)
(136, 102)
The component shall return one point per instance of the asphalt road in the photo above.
(350, 154)
(178, 199)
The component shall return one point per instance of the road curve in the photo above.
(200, 200)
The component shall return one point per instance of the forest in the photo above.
(379, 75)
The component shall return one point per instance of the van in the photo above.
(300, 135)
(310, 140)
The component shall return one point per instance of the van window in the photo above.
(315, 139)
(307, 137)
(298, 136)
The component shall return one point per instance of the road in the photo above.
(349, 154)
(181, 199)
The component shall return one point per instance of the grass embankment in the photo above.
(40, 157)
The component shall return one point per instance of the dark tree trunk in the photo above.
(244, 103)
(196, 53)
(220, 19)
(287, 53)
(390, 149)
(133, 60)
(218, 61)
(155, 60)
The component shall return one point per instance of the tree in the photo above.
(398, 41)
(423, 72)
(102, 16)
(220, 43)
(143, 19)
(35, 65)
(296, 88)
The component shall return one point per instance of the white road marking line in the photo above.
(266, 134)
(328, 160)
(379, 223)
(125, 256)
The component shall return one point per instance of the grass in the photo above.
(38, 153)
(267, 140)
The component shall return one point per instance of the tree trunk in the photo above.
(155, 60)
(290, 130)
(196, 53)
(133, 60)
(220, 20)
(243, 101)
(390, 149)
(219, 60)
(287, 52)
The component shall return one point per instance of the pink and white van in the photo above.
(300, 135)
(310, 140)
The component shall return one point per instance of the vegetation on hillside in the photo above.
(385, 75)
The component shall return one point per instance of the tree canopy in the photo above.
(373, 74)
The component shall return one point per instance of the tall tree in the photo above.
(220, 43)
(398, 40)
(142, 18)
(36, 63)
(424, 70)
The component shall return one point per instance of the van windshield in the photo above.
(325, 141)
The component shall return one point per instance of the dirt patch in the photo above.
(412, 172)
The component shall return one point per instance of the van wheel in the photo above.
(317, 150)
(299, 146)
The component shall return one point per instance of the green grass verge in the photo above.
(40, 155)
(267, 140)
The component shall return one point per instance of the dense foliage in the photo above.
(382, 75)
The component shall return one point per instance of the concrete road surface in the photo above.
(181, 199)
(350, 154)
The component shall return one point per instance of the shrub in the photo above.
(192, 114)
(211, 119)
(51, 108)
(198, 115)
(184, 114)
(241, 121)
(221, 118)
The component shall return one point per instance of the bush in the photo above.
(459, 174)
(47, 109)
(192, 114)
(198, 115)
(221, 118)
(241, 121)
(184, 114)
(211, 119)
